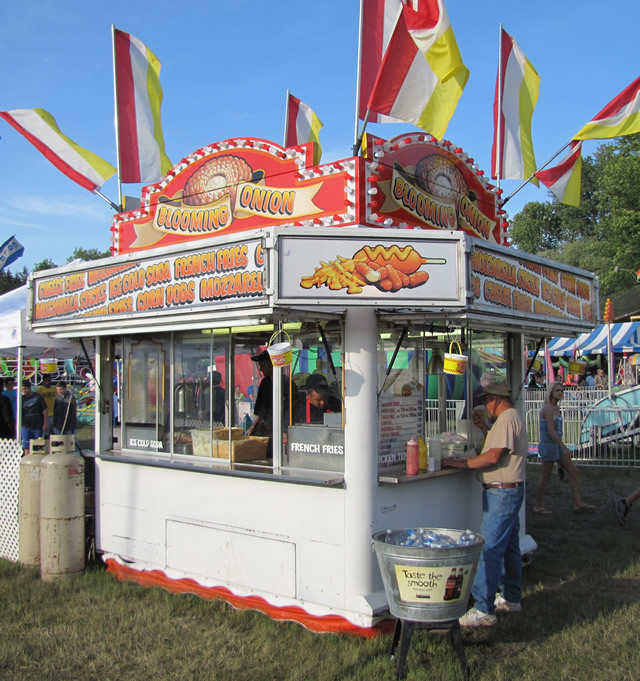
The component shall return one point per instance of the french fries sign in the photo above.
(385, 269)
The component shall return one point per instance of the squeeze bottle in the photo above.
(412, 456)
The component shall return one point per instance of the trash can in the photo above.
(427, 580)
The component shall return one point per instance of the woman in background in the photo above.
(551, 449)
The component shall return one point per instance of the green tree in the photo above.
(603, 232)
(9, 281)
(88, 254)
(46, 264)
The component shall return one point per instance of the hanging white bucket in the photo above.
(455, 364)
(280, 353)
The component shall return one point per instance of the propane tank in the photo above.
(29, 504)
(61, 511)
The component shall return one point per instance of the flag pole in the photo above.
(117, 125)
(286, 120)
(542, 167)
(499, 148)
(358, 143)
(118, 209)
(357, 140)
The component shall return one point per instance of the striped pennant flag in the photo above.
(422, 75)
(138, 98)
(564, 180)
(620, 117)
(302, 126)
(78, 164)
(512, 156)
(379, 18)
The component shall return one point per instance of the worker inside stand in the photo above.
(315, 401)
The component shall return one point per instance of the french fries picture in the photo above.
(387, 268)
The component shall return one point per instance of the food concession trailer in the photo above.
(369, 267)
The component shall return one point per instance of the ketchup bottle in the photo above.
(412, 456)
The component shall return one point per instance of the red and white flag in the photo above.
(512, 156)
(78, 164)
(422, 74)
(302, 125)
(564, 180)
(620, 117)
(139, 98)
(379, 18)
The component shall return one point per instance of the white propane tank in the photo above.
(29, 505)
(61, 511)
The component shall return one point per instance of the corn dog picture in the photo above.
(389, 269)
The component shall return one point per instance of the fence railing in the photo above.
(598, 435)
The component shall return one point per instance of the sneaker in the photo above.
(477, 618)
(620, 508)
(503, 605)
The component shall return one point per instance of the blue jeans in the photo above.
(30, 434)
(501, 561)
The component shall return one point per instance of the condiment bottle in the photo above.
(422, 454)
(435, 451)
(412, 458)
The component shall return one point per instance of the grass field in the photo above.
(580, 619)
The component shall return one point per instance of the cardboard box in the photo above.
(211, 444)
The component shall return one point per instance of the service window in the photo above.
(146, 393)
(401, 390)
(313, 402)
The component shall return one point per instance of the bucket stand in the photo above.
(404, 631)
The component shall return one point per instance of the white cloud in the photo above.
(26, 206)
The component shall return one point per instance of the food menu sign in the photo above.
(526, 287)
(234, 186)
(390, 271)
(189, 281)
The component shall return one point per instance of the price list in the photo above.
(401, 418)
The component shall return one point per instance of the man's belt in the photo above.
(502, 485)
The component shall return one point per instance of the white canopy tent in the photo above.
(18, 340)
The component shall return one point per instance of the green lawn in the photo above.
(580, 616)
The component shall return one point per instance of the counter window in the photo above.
(314, 403)
(210, 394)
(147, 393)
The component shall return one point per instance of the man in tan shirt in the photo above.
(501, 467)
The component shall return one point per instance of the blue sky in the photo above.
(226, 66)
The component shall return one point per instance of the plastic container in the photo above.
(280, 353)
(455, 363)
(435, 454)
(413, 457)
(427, 584)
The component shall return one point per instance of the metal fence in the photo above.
(606, 435)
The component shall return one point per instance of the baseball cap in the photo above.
(317, 382)
(261, 357)
(496, 388)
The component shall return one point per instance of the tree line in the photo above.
(603, 233)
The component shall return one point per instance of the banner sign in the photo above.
(234, 186)
(391, 271)
(525, 287)
(414, 180)
(193, 280)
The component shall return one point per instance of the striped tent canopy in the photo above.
(625, 338)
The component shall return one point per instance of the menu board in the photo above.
(401, 418)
